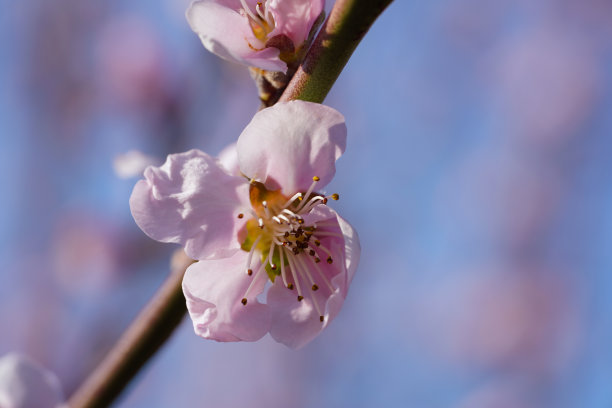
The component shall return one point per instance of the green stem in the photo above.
(346, 25)
(151, 328)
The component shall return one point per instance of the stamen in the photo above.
(260, 221)
(265, 206)
(246, 294)
(258, 8)
(294, 273)
(311, 203)
(318, 269)
(335, 197)
(292, 199)
(248, 10)
(283, 274)
(250, 257)
(270, 256)
(241, 215)
(315, 179)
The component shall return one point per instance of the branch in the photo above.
(346, 25)
(151, 328)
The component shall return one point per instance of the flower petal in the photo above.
(229, 159)
(297, 323)
(286, 145)
(294, 18)
(214, 289)
(24, 384)
(226, 33)
(192, 201)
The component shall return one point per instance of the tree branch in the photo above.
(346, 25)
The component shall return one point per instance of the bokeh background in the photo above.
(477, 174)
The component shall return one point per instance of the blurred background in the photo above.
(477, 174)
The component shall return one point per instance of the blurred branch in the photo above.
(346, 25)
(151, 328)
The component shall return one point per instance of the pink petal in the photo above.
(214, 289)
(192, 201)
(297, 323)
(229, 159)
(288, 144)
(294, 18)
(26, 384)
(226, 33)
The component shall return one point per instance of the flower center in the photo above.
(261, 20)
(289, 246)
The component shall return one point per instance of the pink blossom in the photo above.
(268, 228)
(25, 384)
(265, 34)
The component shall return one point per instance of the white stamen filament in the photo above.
(292, 199)
(258, 9)
(303, 203)
(271, 256)
(283, 274)
(312, 295)
(312, 203)
(250, 257)
(265, 206)
(247, 10)
(294, 272)
(246, 294)
(327, 282)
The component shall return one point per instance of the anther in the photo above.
(329, 260)
(273, 267)
(317, 260)
(325, 200)
(300, 298)
(335, 197)
(317, 242)
(300, 221)
(315, 178)
(290, 286)
(244, 301)
(315, 287)
(321, 319)
(249, 272)
(312, 252)
(241, 215)
(286, 235)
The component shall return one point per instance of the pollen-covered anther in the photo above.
(290, 286)
(241, 215)
(329, 260)
(316, 178)
(317, 242)
(249, 272)
(335, 196)
(315, 287)
(273, 267)
(244, 301)
(321, 319)
(312, 252)
(317, 260)
(300, 298)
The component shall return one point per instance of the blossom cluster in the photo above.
(273, 257)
